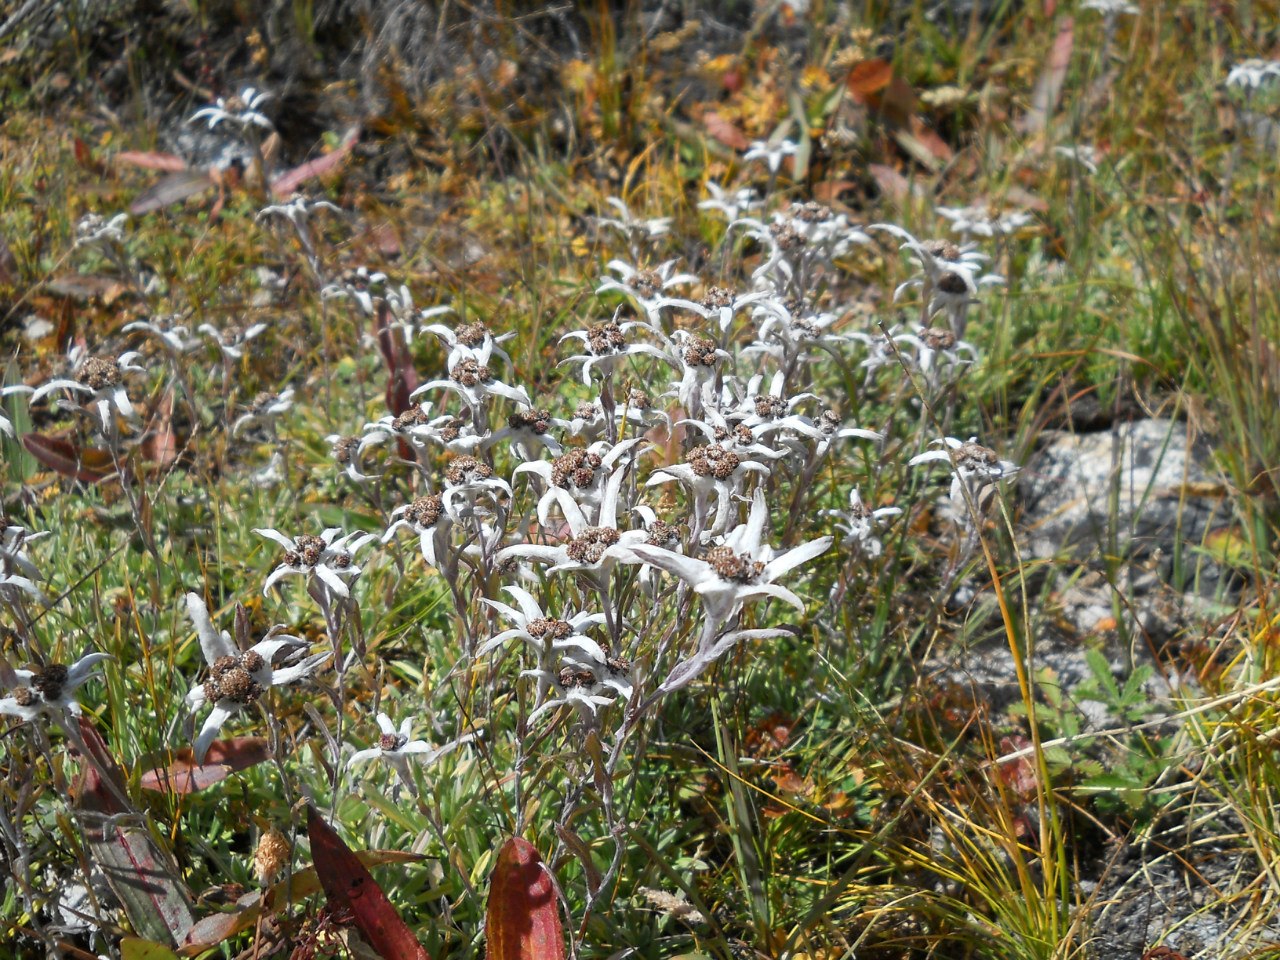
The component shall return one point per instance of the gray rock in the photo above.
(1132, 491)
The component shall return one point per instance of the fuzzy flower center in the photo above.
(467, 470)
(605, 338)
(547, 627)
(413, 417)
(974, 456)
(307, 551)
(786, 236)
(470, 373)
(647, 283)
(571, 679)
(577, 468)
(938, 338)
(391, 742)
(344, 448)
(700, 352)
(99, 373)
(425, 511)
(638, 399)
(941, 249)
(231, 678)
(769, 406)
(49, 682)
(590, 545)
(472, 334)
(539, 421)
(733, 566)
(811, 212)
(717, 298)
(953, 282)
(661, 533)
(713, 461)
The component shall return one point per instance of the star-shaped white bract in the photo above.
(608, 343)
(102, 380)
(594, 547)
(771, 153)
(580, 476)
(238, 679)
(396, 747)
(740, 569)
(328, 558)
(427, 518)
(242, 110)
(550, 636)
(860, 523)
(731, 204)
(973, 468)
(646, 287)
(48, 692)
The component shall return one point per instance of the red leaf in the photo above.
(349, 887)
(224, 758)
(85, 157)
(139, 872)
(403, 377)
(284, 185)
(869, 76)
(149, 160)
(65, 458)
(523, 919)
(172, 189)
(718, 128)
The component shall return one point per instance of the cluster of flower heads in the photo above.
(690, 384)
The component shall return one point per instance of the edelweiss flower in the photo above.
(527, 429)
(732, 205)
(236, 679)
(594, 547)
(859, 523)
(472, 341)
(631, 227)
(474, 381)
(741, 569)
(102, 378)
(359, 285)
(395, 747)
(771, 153)
(426, 517)
(549, 635)
(347, 452)
(645, 287)
(265, 409)
(981, 220)
(591, 421)
(607, 345)
(467, 482)
(1110, 8)
(788, 330)
(723, 304)
(1083, 154)
(937, 353)
(580, 476)
(707, 470)
(48, 692)
(698, 360)
(17, 572)
(1252, 74)
(974, 469)
(327, 557)
(173, 336)
(582, 686)
(297, 210)
(231, 341)
(241, 110)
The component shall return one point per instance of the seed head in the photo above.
(700, 352)
(539, 421)
(953, 283)
(470, 373)
(467, 470)
(590, 546)
(472, 334)
(99, 373)
(548, 627)
(713, 461)
(344, 448)
(271, 856)
(717, 297)
(309, 549)
(605, 338)
(731, 566)
(938, 338)
(576, 468)
(425, 511)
